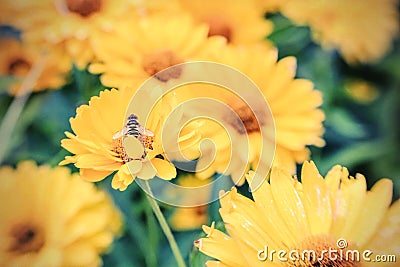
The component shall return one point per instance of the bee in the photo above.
(135, 129)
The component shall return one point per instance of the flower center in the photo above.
(219, 26)
(201, 210)
(323, 251)
(120, 150)
(135, 129)
(156, 62)
(26, 238)
(19, 67)
(85, 8)
(247, 117)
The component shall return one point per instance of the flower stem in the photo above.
(14, 111)
(165, 227)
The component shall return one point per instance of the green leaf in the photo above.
(355, 154)
(21, 132)
(198, 259)
(5, 83)
(290, 40)
(344, 123)
(320, 67)
(87, 84)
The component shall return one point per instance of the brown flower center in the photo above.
(201, 210)
(156, 62)
(120, 150)
(135, 129)
(26, 238)
(19, 67)
(323, 251)
(247, 117)
(84, 8)
(219, 26)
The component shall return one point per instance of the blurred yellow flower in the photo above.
(362, 30)
(311, 215)
(361, 91)
(105, 141)
(141, 48)
(70, 24)
(189, 218)
(240, 22)
(293, 103)
(52, 218)
(270, 6)
(17, 59)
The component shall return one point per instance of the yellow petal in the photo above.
(147, 172)
(134, 166)
(386, 238)
(316, 199)
(122, 178)
(165, 169)
(220, 246)
(374, 208)
(93, 175)
(289, 204)
(352, 197)
(273, 221)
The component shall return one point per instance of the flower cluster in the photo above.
(139, 121)
(52, 218)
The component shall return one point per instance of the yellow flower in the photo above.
(105, 140)
(362, 30)
(240, 22)
(361, 91)
(151, 7)
(52, 218)
(293, 103)
(189, 218)
(70, 24)
(141, 48)
(311, 215)
(17, 59)
(270, 6)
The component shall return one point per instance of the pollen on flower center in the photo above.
(135, 129)
(156, 62)
(320, 244)
(26, 238)
(247, 117)
(219, 26)
(85, 8)
(19, 66)
(120, 150)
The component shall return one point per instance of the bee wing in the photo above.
(148, 132)
(120, 133)
(144, 131)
